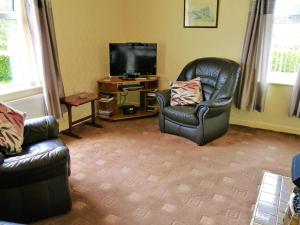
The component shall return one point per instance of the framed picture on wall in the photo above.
(201, 13)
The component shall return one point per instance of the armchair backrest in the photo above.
(218, 76)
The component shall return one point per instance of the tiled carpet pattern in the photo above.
(128, 173)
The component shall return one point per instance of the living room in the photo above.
(129, 172)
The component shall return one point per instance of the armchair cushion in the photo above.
(11, 130)
(186, 92)
(182, 114)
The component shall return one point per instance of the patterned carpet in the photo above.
(128, 173)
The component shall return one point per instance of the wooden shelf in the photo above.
(110, 86)
(122, 92)
(121, 116)
(118, 80)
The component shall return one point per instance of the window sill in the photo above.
(282, 79)
(278, 82)
(11, 95)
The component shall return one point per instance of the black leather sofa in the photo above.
(34, 185)
(295, 171)
(208, 120)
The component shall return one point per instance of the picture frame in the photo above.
(201, 13)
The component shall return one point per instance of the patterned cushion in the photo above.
(186, 92)
(11, 130)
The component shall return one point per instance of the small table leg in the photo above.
(69, 131)
(93, 112)
(93, 122)
(70, 117)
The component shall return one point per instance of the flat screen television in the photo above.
(132, 59)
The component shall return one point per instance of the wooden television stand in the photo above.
(110, 87)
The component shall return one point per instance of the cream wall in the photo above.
(162, 22)
(274, 116)
(83, 32)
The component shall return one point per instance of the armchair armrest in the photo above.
(163, 97)
(213, 108)
(1, 158)
(40, 129)
(32, 167)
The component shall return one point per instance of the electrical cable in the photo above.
(123, 97)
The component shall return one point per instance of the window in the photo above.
(16, 59)
(285, 50)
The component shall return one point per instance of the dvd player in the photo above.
(130, 87)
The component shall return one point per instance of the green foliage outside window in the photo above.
(4, 27)
(5, 71)
(285, 61)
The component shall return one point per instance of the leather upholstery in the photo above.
(182, 114)
(296, 170)
(40, 129)
(209, 119)
(1, 158)
(34, 185)
(218, 76)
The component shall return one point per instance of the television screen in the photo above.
(132, 59)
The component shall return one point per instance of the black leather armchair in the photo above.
(34, 185)
(208, 120)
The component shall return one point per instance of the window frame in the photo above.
(278, 77)
(18, 90)
(10, 14)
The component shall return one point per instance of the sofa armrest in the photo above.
(213, 108)
(296, 170)
(33, 167)
(40, 129)
(2, 157)
(163, 97)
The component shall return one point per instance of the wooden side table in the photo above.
(77, 100)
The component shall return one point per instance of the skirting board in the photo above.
(267, 126)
